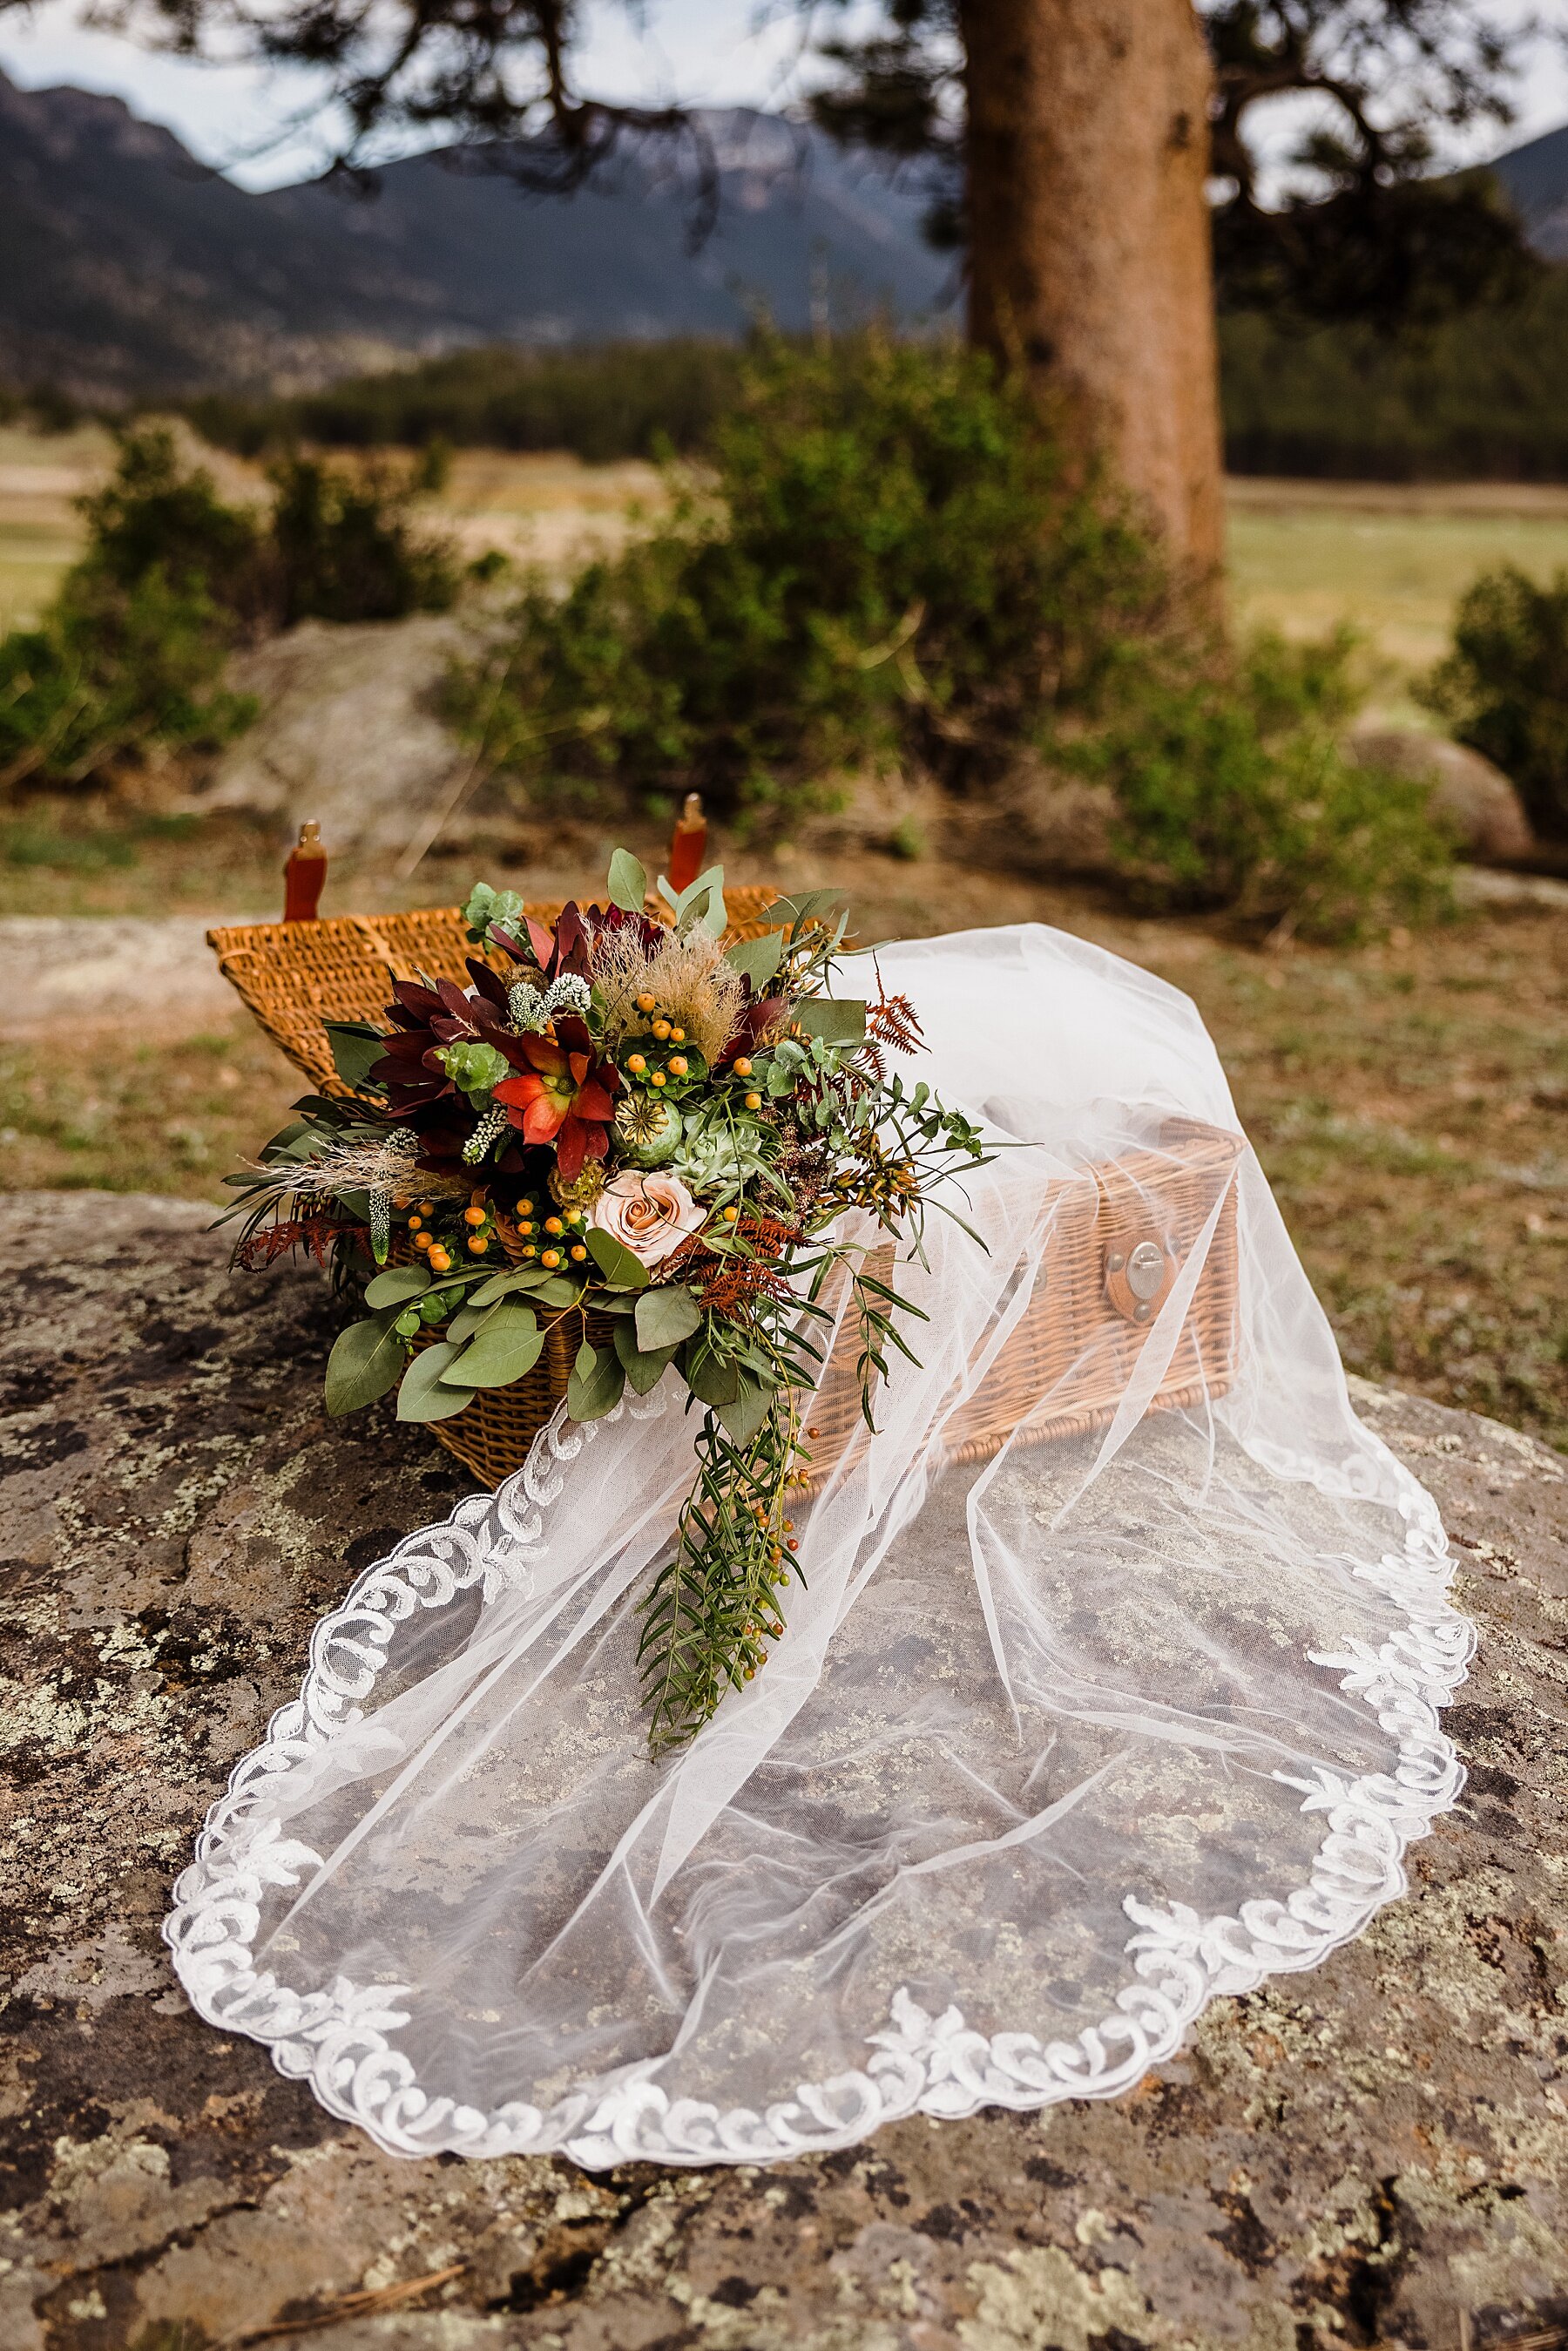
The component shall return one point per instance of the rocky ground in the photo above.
(1376, 2153)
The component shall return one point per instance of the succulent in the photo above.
(474, 1067)
(647, 1129)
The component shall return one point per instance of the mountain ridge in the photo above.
(127, 267)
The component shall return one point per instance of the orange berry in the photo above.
(741, 1066)
(678, 1036)
(477, 1244)
(422, 1240)
(731, 1213)
(658, 1078)
(427, 1207)
(677, 1065)
(524, 1207)
(525, 1228)
(645, 1003)
(530, 1250)
(551, 1257)
(415, 1224)
(439, 1262)
(661, 1030)
(754, 1102)
(553, 1225)
(577, 1253)
(792, 1544)
(474, 1215)
(636, 1064)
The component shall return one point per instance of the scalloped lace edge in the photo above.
(339, 2040)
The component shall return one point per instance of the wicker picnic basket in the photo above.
(1118, 1231)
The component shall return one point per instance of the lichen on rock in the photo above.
(1351, 2157)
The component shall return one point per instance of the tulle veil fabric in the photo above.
(1059, 1742)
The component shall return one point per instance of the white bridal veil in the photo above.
(1066, 1733)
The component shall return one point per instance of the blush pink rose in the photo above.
(649, 1215)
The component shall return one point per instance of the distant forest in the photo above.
(1479, 398)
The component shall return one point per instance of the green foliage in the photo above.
(154, 516)
(1477, 398)
(890, 562)
(344, 547)
(1232, 791)
(130, 655)
(112, 671)
(1469, 399)
(620, 400)
(1503, 687)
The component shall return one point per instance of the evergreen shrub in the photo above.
(1503, 685)
(890, 560)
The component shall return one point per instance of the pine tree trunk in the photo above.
(1089, 237)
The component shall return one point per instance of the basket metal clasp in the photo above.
(1137, 1276)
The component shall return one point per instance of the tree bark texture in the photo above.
(1089, 239)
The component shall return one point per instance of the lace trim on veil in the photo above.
(342, 2040)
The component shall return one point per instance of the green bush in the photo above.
(344, 547)
(112, 670)
(152, 515)
(1503, 687)
(130, 655)
(1232, 791)
(889, 561)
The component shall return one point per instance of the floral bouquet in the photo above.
(626, 1129)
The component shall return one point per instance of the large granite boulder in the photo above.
(1375, 2153)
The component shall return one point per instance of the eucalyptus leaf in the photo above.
(710, 1378)
(644, 1367)
(424, 1395)
(501, 1285)
(365, 1362)
(597, 1383)
(701, 900)
(810, 904)
(509, 1346)
(832, 1020)
(619, 1267)
(666, 1317)
(397, 1284)
(470, 1319)
(741, 1418)
(357, 1047)
(628, 881)
(757, 959)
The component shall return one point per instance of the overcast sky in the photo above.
(698, 50)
